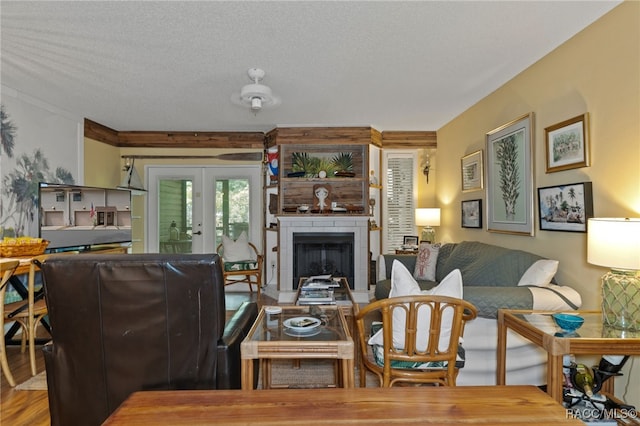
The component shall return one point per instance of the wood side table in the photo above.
(538, 327)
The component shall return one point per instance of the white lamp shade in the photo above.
(428, 217)
(614, 242)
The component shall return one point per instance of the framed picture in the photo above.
(472, 175)
(472, 214)
(565, 207)
(410, 240)
(510, 177)
(568, 144)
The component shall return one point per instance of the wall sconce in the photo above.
(427, 167)
(131, 180)
(428, 218)
(615, 243)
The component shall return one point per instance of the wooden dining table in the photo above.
(490, 405)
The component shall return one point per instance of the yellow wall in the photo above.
(101, 164)
(597, 71)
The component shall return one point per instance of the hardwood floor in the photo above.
(22, 408)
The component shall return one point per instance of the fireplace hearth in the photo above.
(323, 253)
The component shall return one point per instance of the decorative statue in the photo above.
(322, 194)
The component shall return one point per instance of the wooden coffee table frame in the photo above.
(557, 346)
(341, 349)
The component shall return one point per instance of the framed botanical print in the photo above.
(510, 177)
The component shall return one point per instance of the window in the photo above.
(399, 200)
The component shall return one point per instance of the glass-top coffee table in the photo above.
(298, 332)
(593, 337)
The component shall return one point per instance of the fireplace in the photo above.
(317, 229)
(323, 253)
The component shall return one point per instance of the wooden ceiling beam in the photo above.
(409, 139)
(324, 135)
(258, 140)
(142, 139)
(100, 133)
(253, 140)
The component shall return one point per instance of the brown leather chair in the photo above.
(123, 323)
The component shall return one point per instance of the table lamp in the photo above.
(427, 218)
(615, 243)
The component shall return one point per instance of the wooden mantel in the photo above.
(250, 140)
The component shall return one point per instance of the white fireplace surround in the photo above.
(290, 225)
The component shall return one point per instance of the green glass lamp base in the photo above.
(428, 234)
(621, 300)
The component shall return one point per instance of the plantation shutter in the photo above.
(400, 203)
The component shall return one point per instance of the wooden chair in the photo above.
(438, 363)
(7, 267)
(243, 271)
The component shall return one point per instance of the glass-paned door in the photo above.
(176, 215)
(190, 208)
(232, 208)
(172, 223)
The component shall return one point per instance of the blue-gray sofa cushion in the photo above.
(490, 274)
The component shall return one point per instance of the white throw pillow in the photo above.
(403, 284)
(234, 251)
(402, 281)
(540, 273)
(426, 262)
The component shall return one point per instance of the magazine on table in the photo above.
(320, 282)
(318, 296)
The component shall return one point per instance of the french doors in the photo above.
(190, 208)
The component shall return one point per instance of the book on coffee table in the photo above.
(316, 297)
(320, 282)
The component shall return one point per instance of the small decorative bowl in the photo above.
(303, 208)
(568, 322)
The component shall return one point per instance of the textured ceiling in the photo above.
(159, 65)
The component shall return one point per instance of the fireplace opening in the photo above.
(323, 253)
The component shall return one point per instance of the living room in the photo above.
(595, 72)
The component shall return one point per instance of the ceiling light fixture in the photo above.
(255, 95)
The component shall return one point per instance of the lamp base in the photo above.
(428, 234)
(621, 299)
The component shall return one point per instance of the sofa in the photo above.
(130, 322)
(493, 277)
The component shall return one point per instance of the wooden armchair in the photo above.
(27, 314)
(7, 267)
(431, 327)
(247, 271)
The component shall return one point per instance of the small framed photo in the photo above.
(568, 144)
(565, 207)
(410, 240)
(472, 214)
(472, 175)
